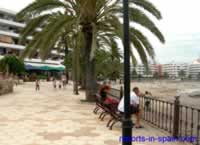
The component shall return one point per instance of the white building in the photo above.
(153, 68)
(173, 69)
(194, 68)
(9, 42)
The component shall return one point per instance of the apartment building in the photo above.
(173, 69)
(9, 44)
(194, 68)
(152, 69)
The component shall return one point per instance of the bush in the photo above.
(12, 65)
(42, 77)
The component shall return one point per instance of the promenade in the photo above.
(57, 117)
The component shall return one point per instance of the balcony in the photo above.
(22, 47)
(12, 34)
(11, 23)
(12, 46)
(15, 24)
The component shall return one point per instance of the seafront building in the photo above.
(194, 68)
(171, 69)
(153, 68)
(9, 44)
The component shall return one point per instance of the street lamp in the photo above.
(127, 123)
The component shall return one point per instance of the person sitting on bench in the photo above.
(135, 105)
(104, 95)
(103, 92)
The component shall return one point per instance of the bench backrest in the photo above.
(115, 93)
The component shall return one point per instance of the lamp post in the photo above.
(127, 123)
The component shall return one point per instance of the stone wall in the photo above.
(6, 86)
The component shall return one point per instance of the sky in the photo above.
(180, 26)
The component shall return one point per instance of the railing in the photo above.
(177, 119)
(189, 122)
(173, 117)
(158, 112)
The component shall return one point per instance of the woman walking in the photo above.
(37, 85)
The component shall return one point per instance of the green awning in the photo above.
(44, 67)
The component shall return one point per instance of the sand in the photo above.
(167, 90)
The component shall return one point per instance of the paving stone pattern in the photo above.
(57, 117)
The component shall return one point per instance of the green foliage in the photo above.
(182, 73)
(134, 74)
(147, 71)
(12, 65)
(107, 65)
(166, 75)
(139, 77)
(156, 75)
(90, 26)
(42, 77)
(198, 76)
(68, 60)
(190, 77)
(100, 17)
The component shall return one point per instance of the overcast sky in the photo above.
(180, 26)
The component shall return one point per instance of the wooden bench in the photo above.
(109, 108)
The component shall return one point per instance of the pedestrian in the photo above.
(60, 84)
(147, 102)
(37, 85)
(54, 83)
(64, 82)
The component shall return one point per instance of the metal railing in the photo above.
(177, 119)
(173, 117)
(158, 112)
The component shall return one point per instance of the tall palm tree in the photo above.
(98, 21)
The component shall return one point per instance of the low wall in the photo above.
(6, 86)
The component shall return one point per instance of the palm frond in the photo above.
(40, 6)
(144, 40)
(32, 25)
(140, 49)
(139, 17)
(148, 6)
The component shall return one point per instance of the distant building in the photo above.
(152, 69)
(194, 68)
(173, 69)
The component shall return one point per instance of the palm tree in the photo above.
(166, 75)
(11, 65)
(96, 20)
(182, 74)
(198, 76)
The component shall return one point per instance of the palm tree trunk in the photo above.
(75, 85)
(90, 78)
(83, 83)
(75, 78)
(66, 61)
(83, 74)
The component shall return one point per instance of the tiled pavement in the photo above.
(57, 117)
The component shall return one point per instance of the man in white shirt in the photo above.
(135, 105)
